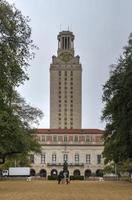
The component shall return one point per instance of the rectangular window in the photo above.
(43, 138)
(87, 139)
(76, 138)
(88, 158)
(65, 138)
(42, 158)
(49, 138)
(76, 158)
(70, 138)
(53, 158)
(81, 138)
(54, 138)
(60, 138)
(99, 159)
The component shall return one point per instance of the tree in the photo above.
(16, 116)
(117, 96)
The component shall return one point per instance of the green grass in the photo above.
(76, 190)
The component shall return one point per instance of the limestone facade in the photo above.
(81, 148)
(65, 85)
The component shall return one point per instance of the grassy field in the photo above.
(50, 190)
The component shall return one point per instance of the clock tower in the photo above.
(65, 85)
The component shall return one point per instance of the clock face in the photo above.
(66, 57)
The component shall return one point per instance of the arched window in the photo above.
(87, 173)
(54, 173)
(43, 173)
(76, 172)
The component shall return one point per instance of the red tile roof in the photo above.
(69, 131)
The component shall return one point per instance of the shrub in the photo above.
(76, 177)
(52, 177)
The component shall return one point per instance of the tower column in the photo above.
(65, 85)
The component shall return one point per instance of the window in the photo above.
(76, 158)
(65, 157)
(53, 158)
(76, 138)
(42, 158)
(99, 159)
(70, 138)
(43, 138)
(60, 139)
(65, 138)
(87, 139)
(49, 138)
(31, 158)
(88, 158)
(54, 138)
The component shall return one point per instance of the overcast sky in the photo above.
(101, 29)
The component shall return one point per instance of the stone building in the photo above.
(80, 148)
(66, 140)
(65, 85)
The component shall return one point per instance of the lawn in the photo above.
(76, 190)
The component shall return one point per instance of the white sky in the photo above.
(101, 29)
